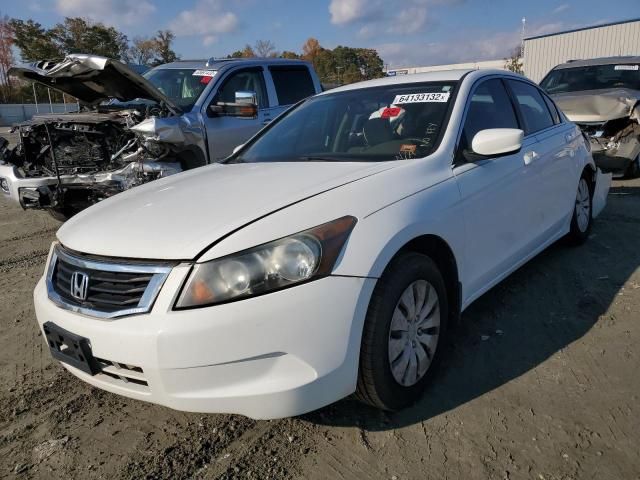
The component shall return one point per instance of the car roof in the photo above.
(436, 76)
(218, 63)
(598, 61)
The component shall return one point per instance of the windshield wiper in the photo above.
(319, 159)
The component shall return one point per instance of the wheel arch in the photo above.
(438, 249)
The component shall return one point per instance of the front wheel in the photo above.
(403, 333)
(582, 213)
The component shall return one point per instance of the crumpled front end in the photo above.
(611, 121)
(67, 162)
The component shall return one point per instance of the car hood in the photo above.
(597, 105)
(92, 79)
(179, 217)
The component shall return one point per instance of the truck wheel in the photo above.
(403, 333)
(633, 171)
(62, 215)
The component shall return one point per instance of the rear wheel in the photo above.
(403, 333)
(582, 212)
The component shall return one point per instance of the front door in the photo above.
(225, 133)
(495, 192)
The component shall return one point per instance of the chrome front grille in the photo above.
(100, 288)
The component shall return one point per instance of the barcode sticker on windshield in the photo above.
(626, 67)
(204, 73)
(421, 98)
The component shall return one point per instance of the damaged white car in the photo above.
(133, 129)
(602, 96)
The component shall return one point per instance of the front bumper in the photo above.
(276, 355)
(14, 185)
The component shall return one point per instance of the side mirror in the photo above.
(497, 141)
(245, 106)
(247, 97)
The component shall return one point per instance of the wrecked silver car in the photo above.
(133, 129)
(602, 96)
(65, 162)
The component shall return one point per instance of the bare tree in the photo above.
(6, 56)
(265, 48)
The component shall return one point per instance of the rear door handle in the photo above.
(266, 122)
(530, 156)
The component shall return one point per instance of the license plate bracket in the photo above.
(70, 348)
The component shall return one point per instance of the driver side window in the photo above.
(489, 107)
(243, 80)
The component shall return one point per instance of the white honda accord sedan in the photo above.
(328, 255)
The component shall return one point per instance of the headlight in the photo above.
(299, 258)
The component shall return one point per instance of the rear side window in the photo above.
(489, 107)
(553, 109)
(292, 84)
(532, 106)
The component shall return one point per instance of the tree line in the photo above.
(35, 42)
(337, 66)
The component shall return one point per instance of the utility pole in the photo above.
(524, 22)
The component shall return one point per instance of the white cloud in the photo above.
(560, 8)
(394, 17)
(409, 20)
(467, 46)
(348, 11)
(111, 12)
(476, 47)
(208, 18)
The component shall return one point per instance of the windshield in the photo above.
(374, 124)
(595, 77)
(182, 85)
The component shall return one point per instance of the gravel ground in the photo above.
(541, 381)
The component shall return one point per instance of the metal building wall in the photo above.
(541, 54)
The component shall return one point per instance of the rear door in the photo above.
(225, 133)
(291, 83)
(496, 192)
(549, 161)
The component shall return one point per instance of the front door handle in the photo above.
(266, 121)
(530, 156)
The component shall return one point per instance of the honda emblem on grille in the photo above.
(79, 285)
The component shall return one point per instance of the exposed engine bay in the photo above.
(128, 132)
(91, 156)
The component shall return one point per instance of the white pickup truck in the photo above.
(133, 129)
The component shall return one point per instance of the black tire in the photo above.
(578, 233)
(376, 383)
(633, 171)
(61, 215)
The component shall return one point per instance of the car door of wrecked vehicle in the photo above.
(224, 133)
(495, 191)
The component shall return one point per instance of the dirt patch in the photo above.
(540, 381)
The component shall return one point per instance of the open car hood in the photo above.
(92, 79)
(597, 105)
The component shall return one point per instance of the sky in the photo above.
(405, 32)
